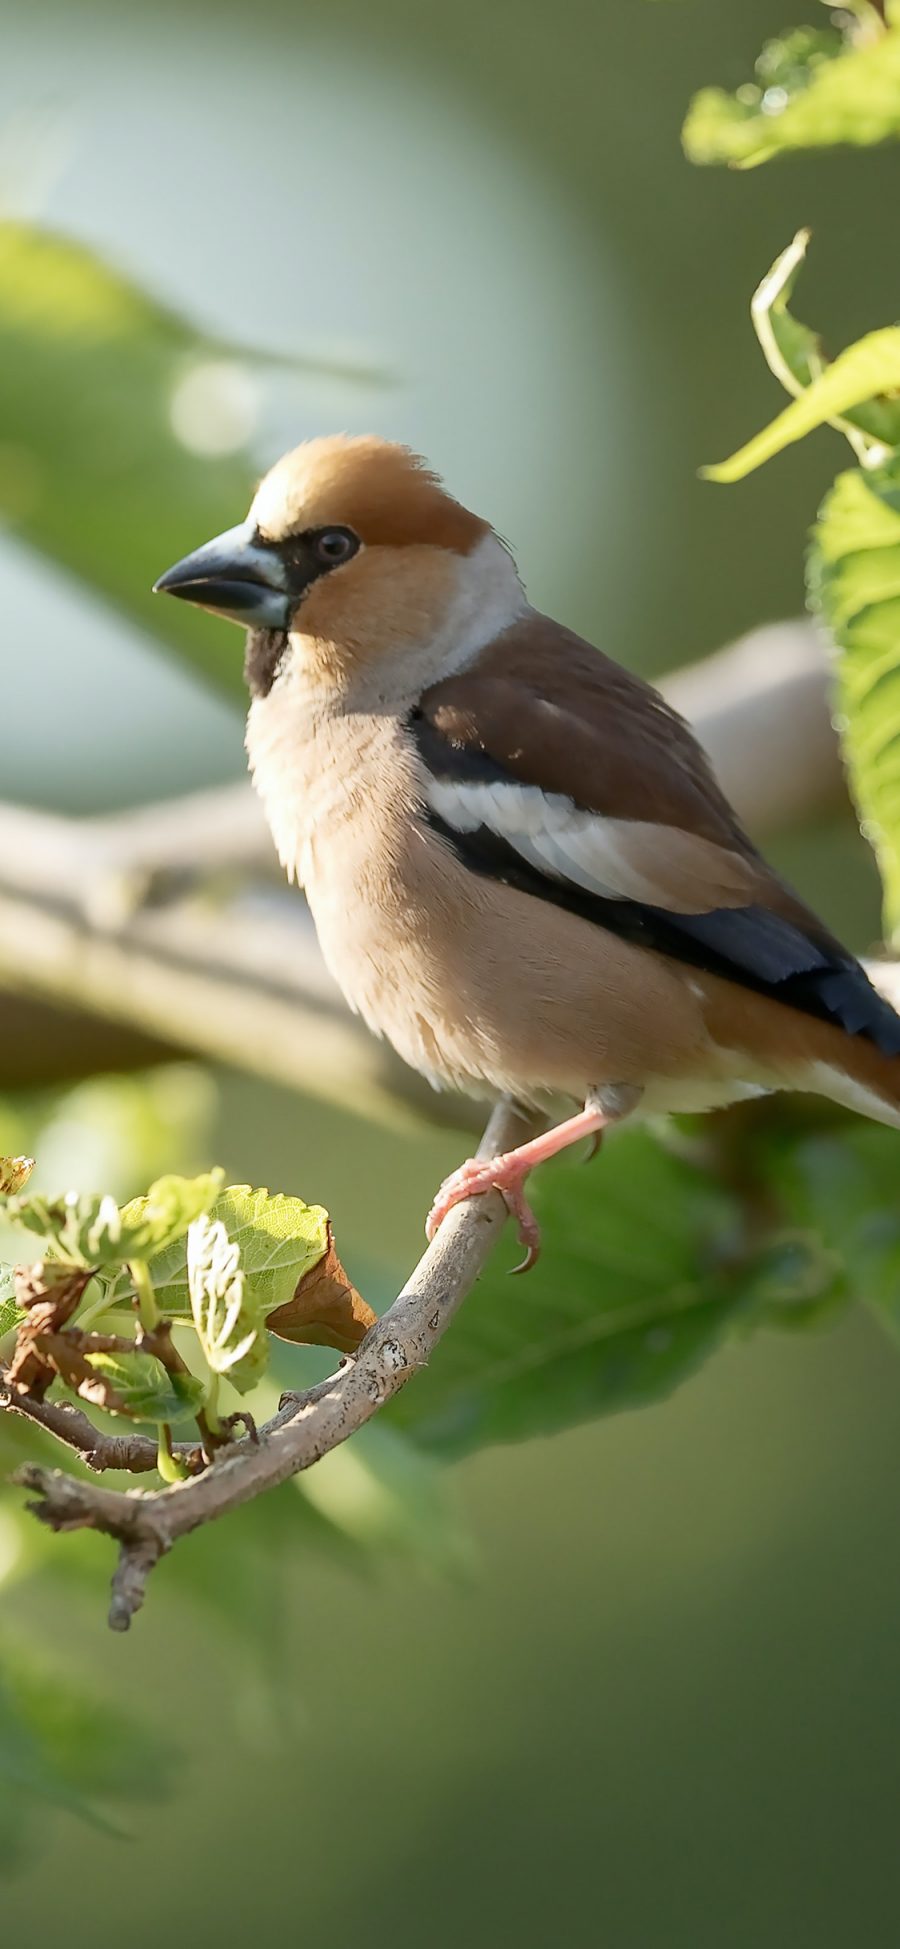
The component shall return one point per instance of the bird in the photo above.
(521, 868)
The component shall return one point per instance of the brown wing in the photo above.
(555, 712)
(549, 767)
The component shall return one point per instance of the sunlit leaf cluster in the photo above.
(815, 87)
(215, 1261)
(854, 557)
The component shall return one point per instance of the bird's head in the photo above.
(353, 556)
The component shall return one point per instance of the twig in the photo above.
(307, 1425)
(134, 1453)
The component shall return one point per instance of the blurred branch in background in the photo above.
(171, 921)
(760, 708)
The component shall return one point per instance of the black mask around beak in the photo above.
(236, 576)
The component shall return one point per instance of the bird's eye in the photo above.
(335, 545)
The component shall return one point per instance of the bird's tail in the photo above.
(862, 1078)
(853, 1058)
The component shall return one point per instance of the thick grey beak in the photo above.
(234, 576)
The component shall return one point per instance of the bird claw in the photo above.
(472, 1180)
(532, 1254)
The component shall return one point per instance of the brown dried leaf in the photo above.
(74, 1368)
(49, 1292)
(326, 1310)
(30, 1371)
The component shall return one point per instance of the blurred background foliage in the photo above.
(638, 1681)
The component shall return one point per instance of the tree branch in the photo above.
(761, 711)
(308, 1425)
(136, 1454)
(149, 921)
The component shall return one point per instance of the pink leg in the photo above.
(507, 1175)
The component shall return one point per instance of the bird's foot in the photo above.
(505, 1174)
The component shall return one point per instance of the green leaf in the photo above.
(863, 514)
(854, 583)
(384, 1495)
(89, 1229)
(795, 354)
(862, 372)
(92, 471)
(842, 1186)
(279, 1238)
(147, 1391)
(854, 562)
(62, 1748)
(795, 1281)
(151, 1224)
(633, 1291)
(78, 1229)
(228, 1319)
(10, 1313)
(812, 89)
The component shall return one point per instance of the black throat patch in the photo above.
(263, 657)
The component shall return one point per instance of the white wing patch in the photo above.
(615, 859)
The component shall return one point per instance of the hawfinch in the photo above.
(521, 868)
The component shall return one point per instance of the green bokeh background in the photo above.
(657, 1699)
